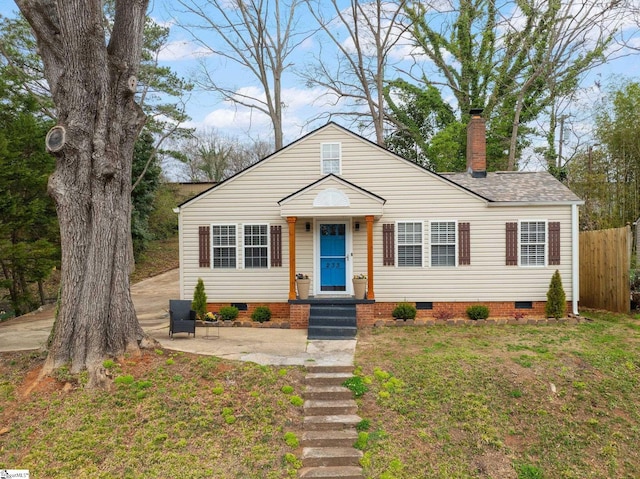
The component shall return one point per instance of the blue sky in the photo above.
(302, 103)
(208, 111)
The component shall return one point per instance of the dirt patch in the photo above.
(34, 382)
(495, 464)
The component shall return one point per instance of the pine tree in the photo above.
(199, 303)
(556, 300)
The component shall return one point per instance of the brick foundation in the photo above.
(366, 314)
(296, 315)
(445, 311)
(299, 316)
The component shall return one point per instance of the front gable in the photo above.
(362, 163)
(332, 196)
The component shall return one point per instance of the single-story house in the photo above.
(333, 205)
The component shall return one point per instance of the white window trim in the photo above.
(546, 243)
(243, 246)
(322, 145)
(397, 243)
(455, 231)
(237, 266)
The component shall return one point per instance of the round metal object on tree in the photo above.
(132, 82)
(56, 138)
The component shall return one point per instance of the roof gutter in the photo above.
(536, 203)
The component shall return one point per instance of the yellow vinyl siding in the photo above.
(410, 193)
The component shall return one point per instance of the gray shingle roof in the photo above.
(516, 186)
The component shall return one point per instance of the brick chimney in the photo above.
(476, 145)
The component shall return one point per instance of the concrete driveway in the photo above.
(151, 299)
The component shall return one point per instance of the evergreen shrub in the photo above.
(404, 311)
(556, 299)
(478, 311)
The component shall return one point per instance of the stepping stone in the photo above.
(343, 438)
(327, 393)
(330, 369)
(329, 426)
(345, 472)
(324, 423)
(328, 407)
(330, 456)
(327, 379)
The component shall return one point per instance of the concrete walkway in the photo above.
(151, 299)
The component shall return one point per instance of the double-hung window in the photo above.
(330, 154)
(224, 246)
(443, 243)
(410, 243)
(533, 243)
(256, 246)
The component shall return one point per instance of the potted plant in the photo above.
(359, 285)
(302, 283)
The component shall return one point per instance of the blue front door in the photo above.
(333, 257)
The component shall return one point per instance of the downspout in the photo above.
(575, 259)
(180, 258)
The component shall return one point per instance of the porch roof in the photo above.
(332, 196)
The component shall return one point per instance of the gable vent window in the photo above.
(330, 158)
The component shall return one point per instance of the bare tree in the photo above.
(92, 78)
(579, 32)
(257, 35)
(210, 156)
(357, 74)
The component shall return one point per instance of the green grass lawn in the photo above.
(509, 401)
(170, 415)
(496, 402)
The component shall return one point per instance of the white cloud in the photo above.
(308, 44)
(182, 50)
(297, 98)
(241, 121)
(164, 23)
(251, 95)
(236, 120)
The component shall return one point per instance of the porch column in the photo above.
(370, 293)
(291, 220)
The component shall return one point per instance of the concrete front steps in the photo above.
(330, 426)
(335, 319)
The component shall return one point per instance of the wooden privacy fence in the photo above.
(605, 259)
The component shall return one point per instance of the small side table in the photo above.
(211, 324)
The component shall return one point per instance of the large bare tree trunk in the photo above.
(93, 85)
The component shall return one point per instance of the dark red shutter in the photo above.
(464, 244)
(388, 244)
(512, 244)
(276, 246)
(205, 246)
(554, 243)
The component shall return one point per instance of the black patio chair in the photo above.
(182, 319)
